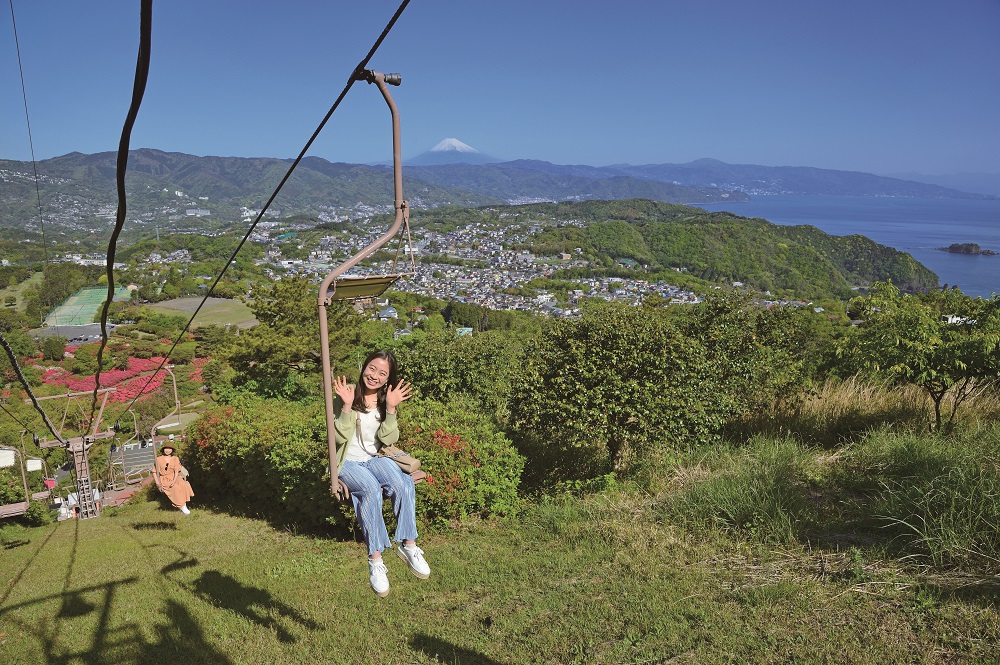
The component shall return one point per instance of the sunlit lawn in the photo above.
(34, 281)
(603, 580)
(217, 311)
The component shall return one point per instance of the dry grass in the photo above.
(841, 411)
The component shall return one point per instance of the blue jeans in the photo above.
(368, 482)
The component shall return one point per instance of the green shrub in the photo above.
(621, 385)
(263, 457)
(37, 514)
(472, 468)
(11, 487)
(441, 363)
(268, 457)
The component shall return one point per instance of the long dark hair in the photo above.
(392, 380)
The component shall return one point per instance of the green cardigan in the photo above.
(346, 424)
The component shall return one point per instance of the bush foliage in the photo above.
(270, 457)
(473, 468)
(637, 385)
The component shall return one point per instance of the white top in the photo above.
(362, 446)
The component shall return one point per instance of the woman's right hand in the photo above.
(344, 390)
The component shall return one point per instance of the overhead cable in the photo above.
(352, 79)
(16, 419)
(31, 143)
(20, 375)
(138, 89)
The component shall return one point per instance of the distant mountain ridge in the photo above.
(980, 183)
(762, 180)
(79, 189)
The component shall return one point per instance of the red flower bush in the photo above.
(131, 382)
(472, 468)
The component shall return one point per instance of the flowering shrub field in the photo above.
(197, 365)
(131, 383)
(140, 385)
(472, 468)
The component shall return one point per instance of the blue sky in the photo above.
(885, 86)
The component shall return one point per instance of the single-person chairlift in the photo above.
(338, 287)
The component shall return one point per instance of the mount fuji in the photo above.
(451, 151)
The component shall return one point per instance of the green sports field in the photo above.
(81, 307)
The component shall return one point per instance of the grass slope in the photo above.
(33, 282)
(217, 311)
(599, 580)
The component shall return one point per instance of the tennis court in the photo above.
(81, 307)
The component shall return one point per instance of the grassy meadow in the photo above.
(217, 311)
(33, 282)
(761, 553)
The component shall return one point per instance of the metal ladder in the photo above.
(88, 507)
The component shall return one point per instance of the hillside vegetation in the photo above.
(723, 248)
(224, 185)
(715, 482)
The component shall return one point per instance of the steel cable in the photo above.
(351, 81)
(138, 89)
(31, 143)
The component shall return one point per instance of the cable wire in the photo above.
(31, 143)
(350, 82)
(20, 375)
(16, 419)
(138, 89)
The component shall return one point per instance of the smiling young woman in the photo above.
(365, 422)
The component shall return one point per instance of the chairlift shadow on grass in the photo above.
(155, 526)
(15, 544)
(228, 593)
(446, 652)
(125, 645)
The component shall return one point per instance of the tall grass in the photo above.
(759, 490)
(923, 497)
(843, 411)
(939, 497)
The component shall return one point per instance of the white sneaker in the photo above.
(414, 558)
(378, 576)
(184, 509)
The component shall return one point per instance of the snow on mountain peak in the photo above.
(452, 145)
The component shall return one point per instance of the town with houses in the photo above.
(481, 267)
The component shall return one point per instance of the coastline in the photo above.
(916, 226)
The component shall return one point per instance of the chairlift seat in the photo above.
(356, 288)
(131, 463)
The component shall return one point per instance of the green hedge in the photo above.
(268, 457)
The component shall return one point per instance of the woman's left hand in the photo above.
(397, 394)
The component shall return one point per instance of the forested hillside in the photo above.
(79, 190)
(725, 248)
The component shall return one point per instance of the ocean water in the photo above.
(917, 226)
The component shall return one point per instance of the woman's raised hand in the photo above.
(401, 392)
(344, 390)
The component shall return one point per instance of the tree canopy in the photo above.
(943, 341)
